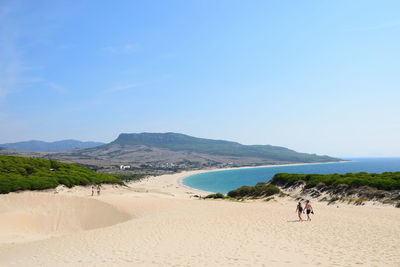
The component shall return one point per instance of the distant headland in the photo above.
(159, 153)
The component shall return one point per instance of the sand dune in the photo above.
(28, 216)
(157, 223)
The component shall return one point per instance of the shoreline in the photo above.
(180, 180)
(157, 222)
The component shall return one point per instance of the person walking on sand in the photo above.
(98, 190)
(92, 190)
(299, 210)
(308, 209)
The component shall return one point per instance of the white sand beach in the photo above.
(157, 222)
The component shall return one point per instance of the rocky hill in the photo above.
(170, 152)
(185, 143)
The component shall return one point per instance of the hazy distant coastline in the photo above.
(42, 146)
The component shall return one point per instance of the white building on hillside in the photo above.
(123, 167)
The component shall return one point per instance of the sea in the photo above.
(227, 180)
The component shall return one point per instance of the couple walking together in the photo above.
(307, 209)
(98, 189)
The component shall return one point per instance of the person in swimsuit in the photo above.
(98, 190)
(92, 190)
(299, 210)
(308, 209)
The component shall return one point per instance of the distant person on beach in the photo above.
(299, 210)
(92, 190)
(308, 209)
(98, 190)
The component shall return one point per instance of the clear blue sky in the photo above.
(315, 76)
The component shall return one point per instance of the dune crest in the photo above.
(31, 216)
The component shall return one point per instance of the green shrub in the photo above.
(20, 173)
(269, 198)
(384, 181)
(360, 201)
(259, 190)
(216, 195)
(333, 200)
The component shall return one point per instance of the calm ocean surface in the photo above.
(224, 181)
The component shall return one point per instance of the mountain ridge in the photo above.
(43, 146)
(159, 153)
(182, 142)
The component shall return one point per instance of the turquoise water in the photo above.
(224, 181)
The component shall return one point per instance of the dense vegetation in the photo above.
(216, 196)
(181, 142)
(20, 173)
(259, 190)
(385, 181)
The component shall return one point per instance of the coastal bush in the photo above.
(384, 181)
(216, 195)
(20, 173)
(360, 201)
(259, 190)
(333, 200)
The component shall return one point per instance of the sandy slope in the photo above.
(157, 222)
